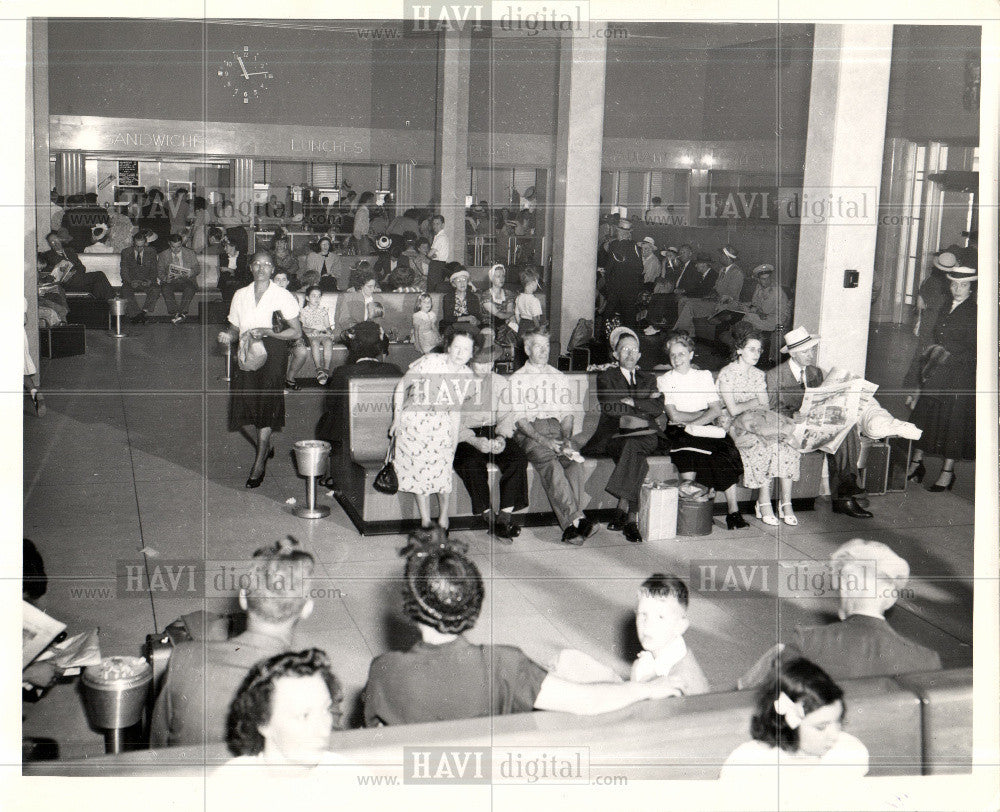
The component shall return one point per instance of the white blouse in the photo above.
(248, 314)
(691, 392)
(846, 760)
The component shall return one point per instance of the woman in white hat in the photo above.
(461, 305)
(946, 409)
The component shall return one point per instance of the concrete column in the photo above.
(577, 187)
(451, 148)
(37, 212)
(843, 172)
(71, 176)
(241, 171)
(404, 188)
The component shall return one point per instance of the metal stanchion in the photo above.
(228, 350)
(312, 458)
(116, 309)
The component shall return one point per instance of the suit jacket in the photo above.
(861, 646)
(696, 286)
(784, 393)
(730, 282)
(52, 259)
(188, 259)
(133, 271)
(955, 330)
(611, 388)
(332, 426)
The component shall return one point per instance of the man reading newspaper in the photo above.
(828, 410)
(177, 268)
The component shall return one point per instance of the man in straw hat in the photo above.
(786, 385)
(869, 578)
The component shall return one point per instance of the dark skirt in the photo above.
(716, 463)
(946, 410)
(258, 398)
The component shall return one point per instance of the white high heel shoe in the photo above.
(788, 517)
(768, 517)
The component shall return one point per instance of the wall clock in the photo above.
(246, 75)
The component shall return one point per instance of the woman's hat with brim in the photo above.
(618, 332)
(798, 340)
(962, 274)
(945, 261)
(762, 269)
(458, 275)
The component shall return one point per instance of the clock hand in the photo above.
(243, 68)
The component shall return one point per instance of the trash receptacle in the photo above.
(694, 509)
(114, 696)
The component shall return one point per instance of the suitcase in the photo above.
(62, 341)
(885, 464)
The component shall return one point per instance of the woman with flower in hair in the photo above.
(444, 676)
(798, 722)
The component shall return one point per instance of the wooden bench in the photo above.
(374, 513)
(682, 738)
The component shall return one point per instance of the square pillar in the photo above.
(241, 171)
(451, 142)
(838, 207)
(577, 186)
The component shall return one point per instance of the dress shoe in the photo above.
(254, 482)
(765, 513)
(735, 521)
(292, 385)
(918, 473)
(631, 532)
(850, 507)
(935, 488)
(139, 318)
(571, 535)
(586, 528)
(618, 521)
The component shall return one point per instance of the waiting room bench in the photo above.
(898, 720)
(375, 513)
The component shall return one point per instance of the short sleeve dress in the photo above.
(428, 427)
(763, 459)
(715, 463)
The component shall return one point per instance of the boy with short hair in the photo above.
(661, 620)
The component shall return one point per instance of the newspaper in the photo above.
(37, 631)
(829, 411)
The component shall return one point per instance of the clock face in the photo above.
(246, 75)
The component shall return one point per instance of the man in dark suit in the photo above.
(73, 275)
(138, 270)
(623, 277)
(366, 346)
(626, 430)
(786, 385)
(870, 577)
(697, 294)
(177, 268)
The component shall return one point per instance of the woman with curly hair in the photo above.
(798, 722)
(284, 712)
(444, 676)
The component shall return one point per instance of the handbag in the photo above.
(932, 358)
(252, 354)
(386, 480)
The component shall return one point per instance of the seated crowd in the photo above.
(275, 703)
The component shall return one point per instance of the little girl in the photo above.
(798, 726)
(527, 308)
(316, 327)
(425, 332)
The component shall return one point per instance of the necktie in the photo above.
(322, 271)
(138, 257)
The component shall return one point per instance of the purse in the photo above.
(932, 358)
(252, 354)
(386, 480)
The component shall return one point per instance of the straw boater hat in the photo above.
(649, 240)
(624, 224)
(962, 274)
(731, 252)
(618, 332)
(98, 232)
(945, 261)
(798, 340)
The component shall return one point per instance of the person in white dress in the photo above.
(797, 727)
